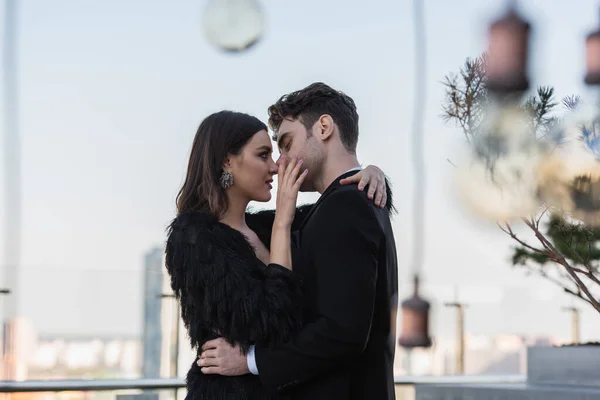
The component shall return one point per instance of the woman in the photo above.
(231, 270)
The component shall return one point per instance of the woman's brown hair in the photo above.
(220, 134)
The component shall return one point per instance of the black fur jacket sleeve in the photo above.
(223, 289)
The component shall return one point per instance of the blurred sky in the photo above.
(112, 93)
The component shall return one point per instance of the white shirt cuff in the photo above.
(251, 360)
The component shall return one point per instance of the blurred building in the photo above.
(498, 355)
(19, 345)
(152, 333)
(91, 357)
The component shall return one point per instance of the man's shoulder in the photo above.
(347, 200)
(345, 211)
(359, 198)
(350, 195)
(351, 205)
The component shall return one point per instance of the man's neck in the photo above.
(332, 170)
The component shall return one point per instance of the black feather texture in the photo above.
(225, 291)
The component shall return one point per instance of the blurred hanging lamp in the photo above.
(592, 58)
(233, 25)
(506, 65)
(586, 187)
(415, 320)
(415, 310)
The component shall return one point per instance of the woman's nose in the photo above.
(274, 168)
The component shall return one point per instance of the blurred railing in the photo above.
(90, 385)
(96, 385)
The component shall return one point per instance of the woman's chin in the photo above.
(263, 197)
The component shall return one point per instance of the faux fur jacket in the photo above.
(225, 291)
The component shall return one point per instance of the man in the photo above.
(346, 258)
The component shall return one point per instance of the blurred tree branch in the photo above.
(566, 252)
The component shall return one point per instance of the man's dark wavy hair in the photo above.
(309, 104)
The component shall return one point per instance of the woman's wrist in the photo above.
(280, 224)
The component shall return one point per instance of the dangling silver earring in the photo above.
(226, 180)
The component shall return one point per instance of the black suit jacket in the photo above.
(346, 259)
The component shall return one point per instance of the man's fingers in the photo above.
(212, 344)
(207, 362)
(209, 345)
(212, 353)
(210, 370)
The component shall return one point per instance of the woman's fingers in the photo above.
(351, 179)
(381, 195)
(372, 188)
(281, 167)
(300, 180)
(290, 175)
(295, 172)
(289, 169)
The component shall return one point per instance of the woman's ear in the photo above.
(226, 164)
